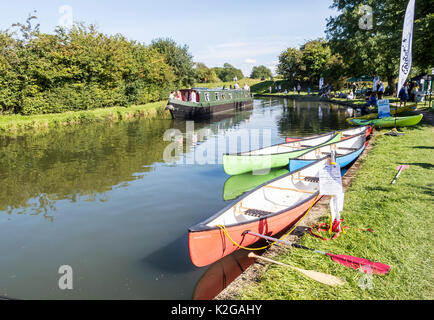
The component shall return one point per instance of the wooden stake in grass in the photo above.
(323, 278)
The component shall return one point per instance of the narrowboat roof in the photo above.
(214, 89)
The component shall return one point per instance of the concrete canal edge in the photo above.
(253, 273)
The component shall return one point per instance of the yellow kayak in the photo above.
(393, 110)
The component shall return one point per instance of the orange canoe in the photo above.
(268, 209)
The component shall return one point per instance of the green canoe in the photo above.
(390, 122)
(276, 156)
(236, 186)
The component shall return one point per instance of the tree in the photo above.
(374, 48)
(77, 69)
(291, 65)
(228, 73)
(179, 59)
(261, 72)
(335, 72)
(315, 57)
(205, 74)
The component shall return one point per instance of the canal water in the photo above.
(101, 199)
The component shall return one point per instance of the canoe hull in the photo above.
(344, 161)
(235, 164)
(209, 246)
(390, 122)
(393, 111)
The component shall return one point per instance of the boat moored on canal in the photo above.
(203, 103)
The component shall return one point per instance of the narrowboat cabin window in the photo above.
(207, 98)
(217, 96)
(230, 96)
(223, 96)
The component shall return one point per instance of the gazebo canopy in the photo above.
(419, 77)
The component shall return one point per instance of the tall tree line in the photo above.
(367, 34)
(82, 68)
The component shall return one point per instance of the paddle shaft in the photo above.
(401, 168)
(285, 242)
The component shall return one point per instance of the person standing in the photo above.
(354, 90)
(380, 90)
(298, 89)
(172, 95)
(403, 95)
(246, 87)
(193, 96)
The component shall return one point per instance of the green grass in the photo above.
(401, 215)
(15, 124)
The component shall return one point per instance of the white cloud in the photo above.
(240, 53)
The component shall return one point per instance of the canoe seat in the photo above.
(329, 154)
(257, 213)
(312, 179)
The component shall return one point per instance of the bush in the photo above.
(78, 69)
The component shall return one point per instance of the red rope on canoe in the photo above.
(337, 228)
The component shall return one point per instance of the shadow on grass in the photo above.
(373, 189)
(422, 165)
(423, 147)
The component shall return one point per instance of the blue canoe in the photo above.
(347, 151)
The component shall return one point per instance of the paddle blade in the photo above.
(323, 278)
(360, 263)
(403, 167)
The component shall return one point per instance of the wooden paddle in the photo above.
(400, 169)
(323, 278)
(355, 263)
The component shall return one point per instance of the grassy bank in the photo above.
(15, 124)
(401, 215)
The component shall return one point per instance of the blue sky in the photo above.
(242, 32)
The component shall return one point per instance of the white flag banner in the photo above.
(407, 42)
(375, 83)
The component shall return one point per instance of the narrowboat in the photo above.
(203, 103)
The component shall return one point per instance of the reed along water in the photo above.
(101, 199)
